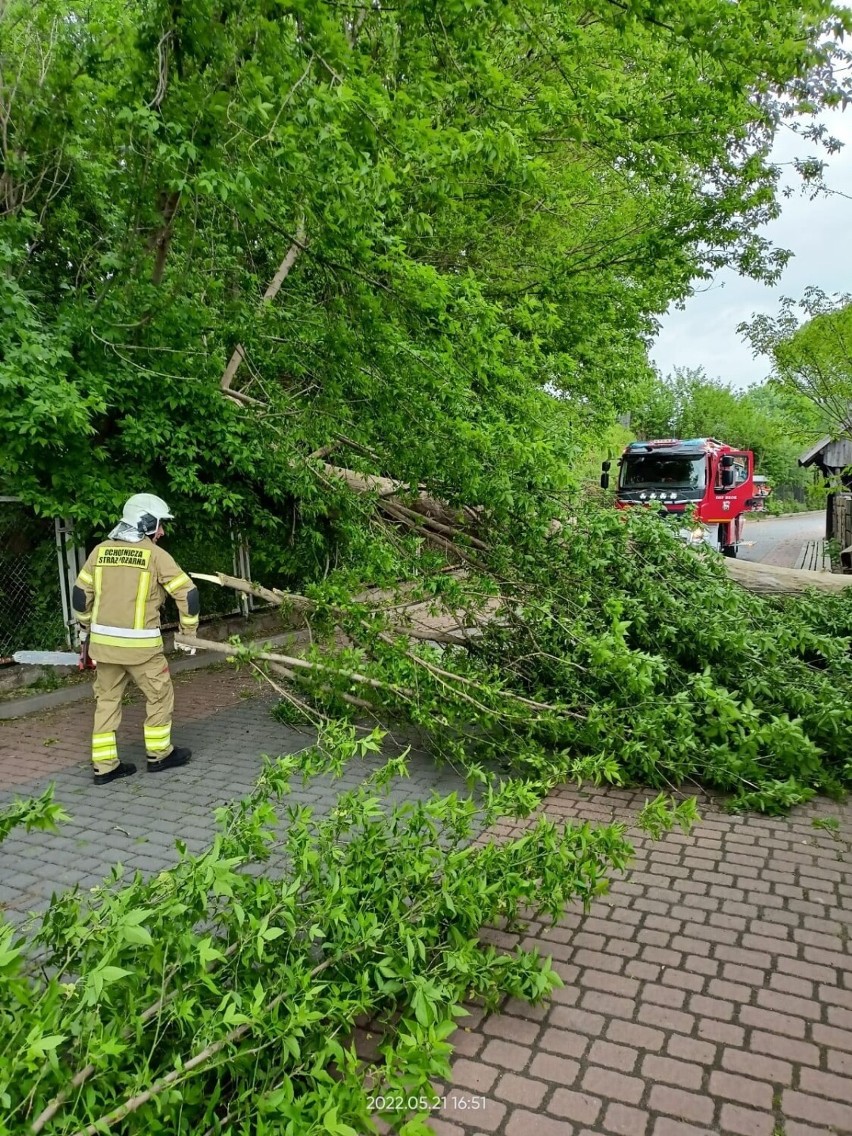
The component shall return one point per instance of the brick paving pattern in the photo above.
(37, 747)
(709, 993)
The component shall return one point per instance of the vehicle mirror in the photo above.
(606, 466)
(605, 479)
(727, 478)
(727, 461)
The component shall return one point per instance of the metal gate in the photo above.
(218, 548)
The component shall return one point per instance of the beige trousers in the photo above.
(111, 679)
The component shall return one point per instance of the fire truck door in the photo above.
(742, 468)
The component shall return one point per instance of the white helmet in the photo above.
(144, 511)
(141, 517)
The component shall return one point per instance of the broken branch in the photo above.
(283, 271)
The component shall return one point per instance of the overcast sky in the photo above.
(818, 232)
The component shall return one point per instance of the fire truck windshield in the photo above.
(663, 471)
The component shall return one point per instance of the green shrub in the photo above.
(213, 998)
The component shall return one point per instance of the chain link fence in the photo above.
(40, 558)
(790, 492)
(213, 547)
(31, 610)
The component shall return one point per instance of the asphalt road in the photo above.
(779, 540)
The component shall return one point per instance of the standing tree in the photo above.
(234, 232)
(812, 359)
(688, 404)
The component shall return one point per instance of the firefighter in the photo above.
(117, 599)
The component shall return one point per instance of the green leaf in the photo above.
(110, 974)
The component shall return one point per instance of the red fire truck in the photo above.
(712, 477)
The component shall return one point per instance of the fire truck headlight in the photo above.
(692, 536)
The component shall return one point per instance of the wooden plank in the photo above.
(842, 520)
(838, 454)
(809, 455)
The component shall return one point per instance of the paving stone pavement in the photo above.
(225, 719)
(709, 993)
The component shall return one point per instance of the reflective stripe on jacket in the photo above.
(118, 595)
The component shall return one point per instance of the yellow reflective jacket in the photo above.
(118, 596)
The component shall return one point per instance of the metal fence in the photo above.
(790, 492)
(215, 548)
(34, 587)
(41, 557)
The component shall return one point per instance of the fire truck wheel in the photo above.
(729, 550)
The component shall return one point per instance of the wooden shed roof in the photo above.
(829, 453)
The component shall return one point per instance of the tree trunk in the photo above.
(426, 619)
(283, 271)
(762, 579)
(767, 580)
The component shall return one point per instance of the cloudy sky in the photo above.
(818, 232)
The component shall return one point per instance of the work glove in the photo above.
(85, 663)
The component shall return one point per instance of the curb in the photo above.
(178, 663)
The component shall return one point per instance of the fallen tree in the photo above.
(452, 529)
(448, 230)
(769, 580)
(582, 643)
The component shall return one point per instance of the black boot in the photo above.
(170, 761)
(123, 769)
